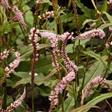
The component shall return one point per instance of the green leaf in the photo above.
(82, 42)
(95, 69)
(67, 104)
(99, 99)
(109, 17)
(103, 7)
(95, 55)
(26, 51)
(23, 81)
(103, 26)
(69, 48)
(28, 15)
(87, 12)
(92, 103)
(83, 108)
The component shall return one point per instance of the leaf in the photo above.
(83, 108)
(69, 48)
(27, 50)
(23, 81)
(103, 26)
(99, 99)
(95, 69)
(88, 21)
(109, 17)
(82, 42)
(92, 103)
(28, 15)
(87, 12)
(68, 104)
(47, 1)
(103, 7)
(95, 55)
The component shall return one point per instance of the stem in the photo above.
(76, 15)
(108, 63)
(62, 106)
(75, 96)
(93, 2)
(32, 80)
(57, 17)
(33, 64)
(23, 31)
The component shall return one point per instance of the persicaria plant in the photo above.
(55, 56)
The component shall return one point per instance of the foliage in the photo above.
(92, 56)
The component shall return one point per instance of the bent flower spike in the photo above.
(87, 91)
(5, 4)
(34, 38)
(18, 16)
(60, 87)
(12, 66)
(72, 69)
(90, 34)
(16, 103)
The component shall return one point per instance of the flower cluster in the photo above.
(68, 63)
(91, 33)
(16, 103)
(53, 38)
(4, 55)
(60, 87)
(11, 67)
(110, 1)
(46, 15)
(5, 4)
(72, 69)
(87, 91)
(34, 38)
(18, 16)
(66, 36)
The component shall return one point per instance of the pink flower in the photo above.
(68, 63)
(91, 33)
(18, 16)
(11, 67)
(34, 38)
(5, 4)
(60, 87)
(87, 91)
(66, 36)
(53, 38)
(110, 1)
(16, 103)
(47, 15)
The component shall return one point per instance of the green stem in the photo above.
(75, 96)
(62, 105)
(57, 17)
(93, 2)
(108, 63)
(76, 16)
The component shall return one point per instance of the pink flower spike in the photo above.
(12, 66)
(91, 33)
(5, 4)
(18, 16)
(60, 87)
